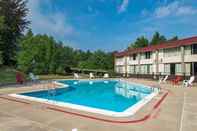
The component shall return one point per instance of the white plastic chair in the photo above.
(76, 76)
(74, 129)
(91, 75)
(163, 79)
(33, 77)
(106, 75)
(189, 82)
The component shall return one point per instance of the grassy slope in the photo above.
(7, 75)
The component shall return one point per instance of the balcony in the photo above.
(190, 58)
(172, 59)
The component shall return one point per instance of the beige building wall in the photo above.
(159, 62)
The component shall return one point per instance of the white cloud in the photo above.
(174, 9)
(54, 23)
(186, 10)
(123, 6)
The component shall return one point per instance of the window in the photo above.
(187, 50)
(147, 55)
(194, 49)
(172, 52)
(187, 69)
(132, 69)
(167, 69)
(148, 69)
(178, 69)
(134, 56)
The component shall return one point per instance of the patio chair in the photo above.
(188, 83)
(163, 79)
(19, 78)
(33, 77)
(91, 75)
(176, 80)
(106, 75)
(74, 129)
(76, 76)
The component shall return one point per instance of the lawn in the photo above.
(7, 75)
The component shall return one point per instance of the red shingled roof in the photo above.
(169, 44)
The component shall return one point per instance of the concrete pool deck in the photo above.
(177, 111)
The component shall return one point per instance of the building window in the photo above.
(132, 70)
(194, 49)
(147, 55)
(178, 69)
(187, 50)
(167, 69)
(172, 52)
(187, 69)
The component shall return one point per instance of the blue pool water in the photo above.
(98, 94)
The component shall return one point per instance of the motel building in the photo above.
(175, 58)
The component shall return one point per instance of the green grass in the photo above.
(7, 75)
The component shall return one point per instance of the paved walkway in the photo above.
(177, 112)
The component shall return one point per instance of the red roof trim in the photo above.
(172, 44)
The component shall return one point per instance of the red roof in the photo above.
(169, 44)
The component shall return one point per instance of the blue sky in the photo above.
(111, 24)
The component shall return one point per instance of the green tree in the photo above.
(14, 14)
(157, 39)
(1, 27)
(42, 54)
(140, 42)
(98, 60)
(174, 38)
(35, 53)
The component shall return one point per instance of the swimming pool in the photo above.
(107, 97)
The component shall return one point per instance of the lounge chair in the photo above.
(20, 78)
(106, 75)
(188, 83)
(163, 79)
(33, 77)
(91, 75)
(176, 80)
(76, 76)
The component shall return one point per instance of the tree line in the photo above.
(156, 39)
(42, 54)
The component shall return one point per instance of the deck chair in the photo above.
(163, 79)
(76, 76)
(33, 77)
(188, 83)
(91, 75)
(176, 80)
(19, 78)
(106, 75)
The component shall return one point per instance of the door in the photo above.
(172, 69)
(194, 68)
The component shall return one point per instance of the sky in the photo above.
(111, 25)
